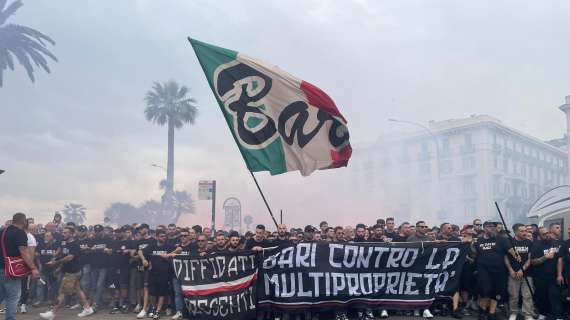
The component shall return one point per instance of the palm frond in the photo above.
(12, 8)
(22, 57)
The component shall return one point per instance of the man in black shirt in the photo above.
(490, 251)
(221, 243)
(390, 232)
(282, 237)
(71, 269)
(122, 247)
(160, 274)
(545, 260)
(14, 241)
(421, 232)
(46, 251)
(85, 257)
(377, 233)
(517, 262)
(100, 256)
(234, 242)
(142, 278)
(258, 241)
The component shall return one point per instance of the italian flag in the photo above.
(279, 122)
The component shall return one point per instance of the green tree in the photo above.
(169, 104)
(122, 213)
(24, 43)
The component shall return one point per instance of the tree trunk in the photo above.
(170, 166)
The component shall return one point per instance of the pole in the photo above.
(513, 246)
(281, 216)
(213, 207)
(264, 200)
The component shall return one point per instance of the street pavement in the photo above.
(104, 315)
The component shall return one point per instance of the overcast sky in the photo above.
(79, 134)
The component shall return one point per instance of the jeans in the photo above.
(98, 276)
(46, 292)
(10, 290)
(178, 298)
(85, 281)
(520, 286)
(133, 275)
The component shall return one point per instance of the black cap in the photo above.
(98, 228)
(490, 224)
(82, 228)
(309, 228)
(143, 226)
(234, 234)
(380, 221)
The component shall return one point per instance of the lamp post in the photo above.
(437, 153)
(566, 109)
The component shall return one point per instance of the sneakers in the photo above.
(86, 312)
(125, 309)
(427, 314)
(137, 308)
(2, 310)
(75, 306)
(384, 314)
(416, 313)
(541, 317)
(458, 313)
(368, 315)
(178, 316)
(513, 316)
(156, 315)
(36, 304)
(23, 308)
(341, 315)
(141, 314)
(168, 312)
(151, 312)
(48, 315)
(115, 310)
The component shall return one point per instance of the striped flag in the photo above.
(279, 122)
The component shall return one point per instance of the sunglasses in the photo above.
(478, 224)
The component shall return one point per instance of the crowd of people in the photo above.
(128, 269)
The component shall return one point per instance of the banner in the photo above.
(320, 276)
(336, 275)
(220, 286)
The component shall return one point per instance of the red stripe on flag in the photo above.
(340, 158)
(219, 289)
(318, 98)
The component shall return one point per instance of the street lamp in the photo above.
(437, 154)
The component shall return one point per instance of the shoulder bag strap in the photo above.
(4, 242)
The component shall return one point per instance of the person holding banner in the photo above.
(490, 251)
(155, 257)
(546, 260)
(518, 263)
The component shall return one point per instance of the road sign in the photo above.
(206, 189)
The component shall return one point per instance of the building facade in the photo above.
(456, 169)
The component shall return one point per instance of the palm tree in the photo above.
(26, 44)
(170, 104)
(74, 212)
(122, 213)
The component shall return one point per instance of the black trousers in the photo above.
(548, 297)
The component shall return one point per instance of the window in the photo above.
(496, 161)
(446, 166)
(469, 186)
(506, 165)
(468, 163)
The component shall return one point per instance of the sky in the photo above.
(79, 134)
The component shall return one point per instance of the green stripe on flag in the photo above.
(272, 157)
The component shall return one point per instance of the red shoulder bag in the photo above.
(14, 267)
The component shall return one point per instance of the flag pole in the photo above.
(263, 197)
